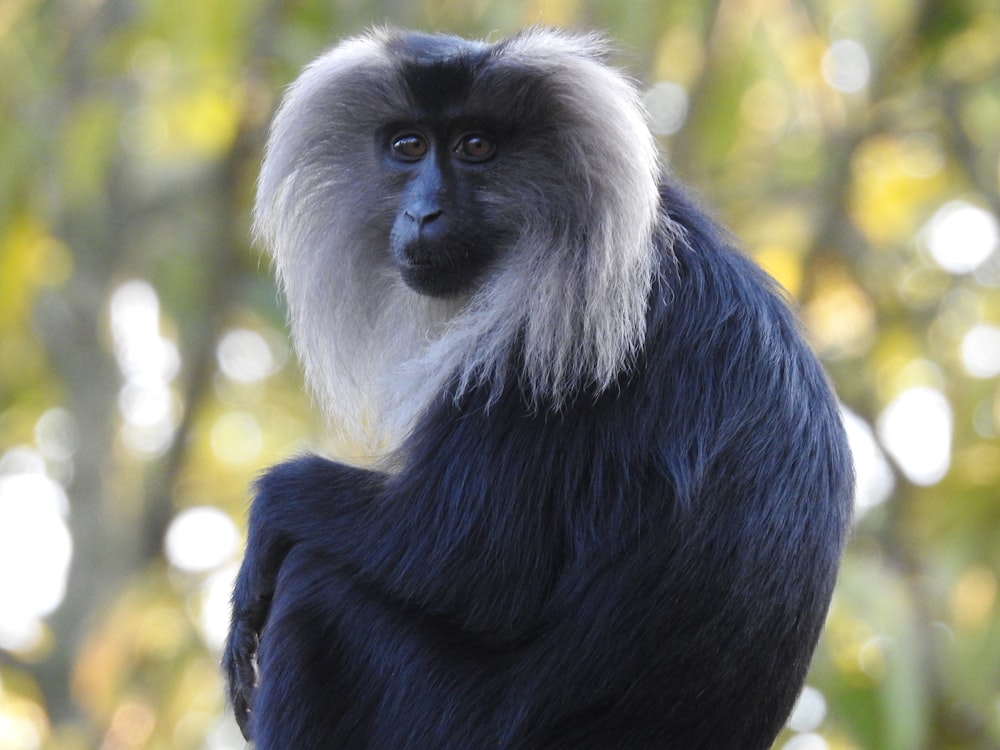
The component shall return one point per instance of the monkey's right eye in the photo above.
(409, 146)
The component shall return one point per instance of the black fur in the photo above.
(648, 568)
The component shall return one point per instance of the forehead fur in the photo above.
(437, 70)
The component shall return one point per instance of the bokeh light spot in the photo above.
(667, 105)
(961, 237)
(806, 741)
(35, 552)
(846, 67)
(981, 351)
(201, 539)
(809, 711)
(915, 429)
(245, 356)
(873, 477)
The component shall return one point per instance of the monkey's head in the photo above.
(441, 211)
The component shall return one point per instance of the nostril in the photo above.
(422, 217)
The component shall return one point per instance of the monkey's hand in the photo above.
(267, 546)
(239, 665)
(251, 606)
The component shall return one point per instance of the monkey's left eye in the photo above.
(409, 146)
(475, 147)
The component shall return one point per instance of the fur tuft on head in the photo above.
(562, 313)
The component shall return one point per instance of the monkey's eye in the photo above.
(475, 147)
(409, 146)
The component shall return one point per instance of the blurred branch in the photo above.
(107, 552)
(223, 253)
(70, 323)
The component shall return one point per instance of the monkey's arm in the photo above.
(305, 500)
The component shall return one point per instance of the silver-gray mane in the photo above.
(375, 353)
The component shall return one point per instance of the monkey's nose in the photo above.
(422, 216)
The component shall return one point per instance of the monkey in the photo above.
(609, 488)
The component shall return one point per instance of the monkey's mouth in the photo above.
(437, 269)
(432, 279)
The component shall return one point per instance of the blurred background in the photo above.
(145, 373)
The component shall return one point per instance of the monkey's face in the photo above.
(459, 167)
(446, 232)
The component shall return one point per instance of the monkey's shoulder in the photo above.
(713, 308)
(724, 345)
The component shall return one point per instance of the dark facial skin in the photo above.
(441, 238)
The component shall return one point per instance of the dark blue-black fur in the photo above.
(650, 568)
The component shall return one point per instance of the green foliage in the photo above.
(145, 371)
